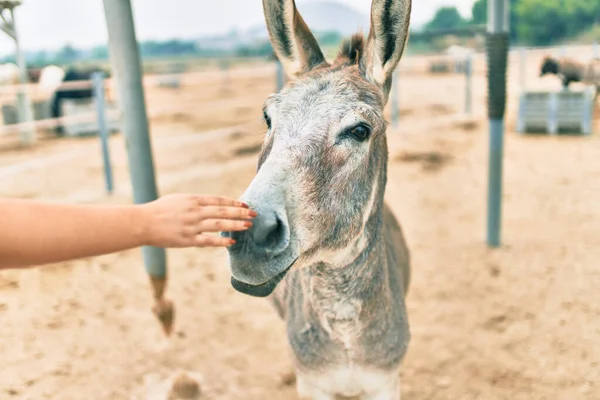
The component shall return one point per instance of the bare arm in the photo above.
(33, 232)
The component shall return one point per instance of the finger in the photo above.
(223, 225)
(225, 212)
(220, 201)
(213, 241)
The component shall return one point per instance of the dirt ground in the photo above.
(518, 322)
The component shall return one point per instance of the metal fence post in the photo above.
(24, 105)
(126, 65)
(98, 82)
(224, 64)
(497, 43)
(469, 83)
(395, 100)
(522, 65)
(279, 76)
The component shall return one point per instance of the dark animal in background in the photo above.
(61, 94)
(570, 71)
(33, 74)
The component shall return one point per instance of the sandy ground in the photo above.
(519, 322)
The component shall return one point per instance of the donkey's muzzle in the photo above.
(262, 290)
(263, 254)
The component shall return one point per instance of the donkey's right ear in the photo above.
(292, 41)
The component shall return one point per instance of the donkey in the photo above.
(323, 229)
(572, 71)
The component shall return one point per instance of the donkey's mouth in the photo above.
(262, 290)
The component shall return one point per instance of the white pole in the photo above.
(469, 83)
(395, 105)
(522, 63)
(23, 104)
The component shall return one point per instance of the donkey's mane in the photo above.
(351, 50)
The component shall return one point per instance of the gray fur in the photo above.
(324, 246)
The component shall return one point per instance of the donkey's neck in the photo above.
(340, 292)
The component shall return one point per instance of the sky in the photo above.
(50, 24)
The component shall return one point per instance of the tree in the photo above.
(67, 54)
(99, 53)
(479, 12)
(446, 18)
(541, 22)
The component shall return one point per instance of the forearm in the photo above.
(34, 233)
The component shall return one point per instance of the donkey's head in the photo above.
(549, 66)
(321, 171)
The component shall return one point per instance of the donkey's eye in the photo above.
(267, 119)
(360, 132)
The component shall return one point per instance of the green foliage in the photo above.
(544, 22)
(68, 54)
(446, 18)
(327, 39)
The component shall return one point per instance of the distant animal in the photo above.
(459, 55)
(60, 94)
(9, 74)
(325, 246)
(569, 70)
(33, 74)
(50, 78)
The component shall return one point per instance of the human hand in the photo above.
(179, 220)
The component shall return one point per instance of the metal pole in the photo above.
(23, 104)
(224, 64)
(497, 52)
(98, 80)
(395, 106)
(469, 83)
(522, 64)
(279, 76)
(126, 65)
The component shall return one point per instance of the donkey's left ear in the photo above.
(293, 43)
(390, 21)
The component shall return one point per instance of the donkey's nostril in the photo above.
(268, 231)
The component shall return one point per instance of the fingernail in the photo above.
(231, 242)
(244, 205)
(252, 213)
(247, 224)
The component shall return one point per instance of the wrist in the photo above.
(141, 224)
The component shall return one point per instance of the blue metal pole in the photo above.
(25, 113)
(469, 83)
(98, 81)
(126, 65)
(395, 105)
(279, 76)
(498, 28)
(495, 182)
(522, 64)
(224, 64)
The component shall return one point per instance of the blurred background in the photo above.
(518, 322)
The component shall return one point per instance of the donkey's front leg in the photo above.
(388, 392)
(308, 391)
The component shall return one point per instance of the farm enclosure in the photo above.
(520, 322)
